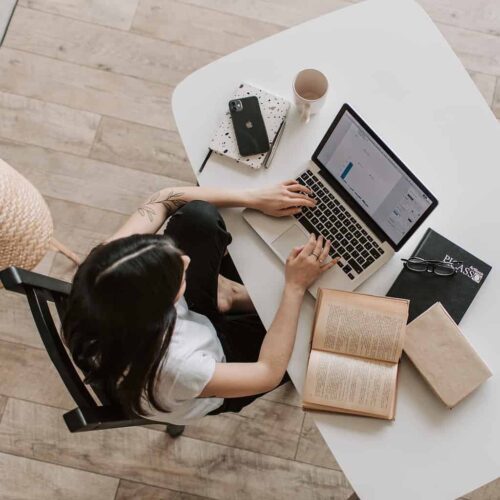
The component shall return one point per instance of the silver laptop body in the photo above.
(368, 204)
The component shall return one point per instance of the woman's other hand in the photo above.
(307, 263)
(284, 199)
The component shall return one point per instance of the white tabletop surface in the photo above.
(388, 60)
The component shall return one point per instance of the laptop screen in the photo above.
(378, 184)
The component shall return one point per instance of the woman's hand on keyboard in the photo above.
(281, 200)
(307, 263)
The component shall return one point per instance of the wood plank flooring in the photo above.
(85, 114)
(59, 483)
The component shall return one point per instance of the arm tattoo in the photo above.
(171, 201)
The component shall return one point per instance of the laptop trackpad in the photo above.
(292, 237)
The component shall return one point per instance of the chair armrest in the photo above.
(16, 279)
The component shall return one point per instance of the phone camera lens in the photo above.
(236, 105)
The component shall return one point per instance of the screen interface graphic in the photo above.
(373, 179)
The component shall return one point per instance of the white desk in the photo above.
(388, 60)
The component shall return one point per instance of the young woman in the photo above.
(163, 321)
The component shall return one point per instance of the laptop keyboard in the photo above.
(330, 218)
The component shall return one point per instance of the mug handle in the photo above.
(306, 113)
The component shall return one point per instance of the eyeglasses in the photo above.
(437, 267)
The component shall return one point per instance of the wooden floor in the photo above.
(85, 89)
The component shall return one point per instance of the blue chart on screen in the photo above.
(346, 170)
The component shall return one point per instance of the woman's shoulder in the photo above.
(196, 320)
(181, 307)
(193, 333)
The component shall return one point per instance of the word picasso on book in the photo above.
(456, 292)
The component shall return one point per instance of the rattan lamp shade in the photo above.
(26, 226)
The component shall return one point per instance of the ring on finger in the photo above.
(316, 255)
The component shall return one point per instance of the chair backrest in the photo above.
(40, 290)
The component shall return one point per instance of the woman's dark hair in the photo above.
(120, 316)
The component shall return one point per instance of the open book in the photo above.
(357, 341)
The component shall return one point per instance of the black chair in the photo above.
(89, 415)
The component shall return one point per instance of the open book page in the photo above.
(350, 384)
(360, 325)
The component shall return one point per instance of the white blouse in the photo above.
(188, 366)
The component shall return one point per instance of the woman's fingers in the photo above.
(298, 188)
(301, 201)
(318, 248)
(296, 198)
(298, 194)
(299, 197)
(309, 246)
(330, 264)
(296, 250)
(324, 252)
(290, 211)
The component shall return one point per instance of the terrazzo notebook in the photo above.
(274, 111)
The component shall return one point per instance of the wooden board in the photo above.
(103, 48)
(40, 123)
(143, 148)
(85, 88)
(113, 13)
(25, 479)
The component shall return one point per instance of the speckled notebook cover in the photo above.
(274, 110)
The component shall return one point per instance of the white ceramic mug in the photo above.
(310, 88)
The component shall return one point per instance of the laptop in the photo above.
(368, 204)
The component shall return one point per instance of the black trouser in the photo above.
(200, 232)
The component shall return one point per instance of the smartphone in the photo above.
(249, 126)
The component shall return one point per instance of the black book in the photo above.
(455, 292)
